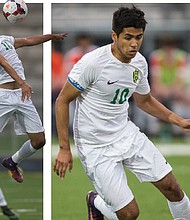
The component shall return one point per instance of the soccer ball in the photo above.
(15, 10)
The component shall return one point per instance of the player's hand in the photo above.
(26, 91)
(63, 160)
(185, 125)
(59, 36)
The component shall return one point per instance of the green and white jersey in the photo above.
(106, 84)
(7, 50)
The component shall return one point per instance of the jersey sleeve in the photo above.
(143, 86)
(83, 74)
(10, 39)
(4, 38)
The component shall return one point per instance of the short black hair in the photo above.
(126, 17)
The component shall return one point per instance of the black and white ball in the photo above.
(15, 10)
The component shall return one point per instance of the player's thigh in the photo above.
(27, 119)
(7, 107)
(4, 118)
(146, 162)
(170, 188)
(110, 181)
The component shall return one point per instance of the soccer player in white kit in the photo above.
(15, 99)
(107, 141)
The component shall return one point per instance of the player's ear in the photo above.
(114, 36)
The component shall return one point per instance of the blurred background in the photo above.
(166, 47)
(26, 198)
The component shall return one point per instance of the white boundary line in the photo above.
(47, 113)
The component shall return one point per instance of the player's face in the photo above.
(126, 46)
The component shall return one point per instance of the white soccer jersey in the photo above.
(106, 84)
(8, 51)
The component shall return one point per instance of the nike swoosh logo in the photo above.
(112, 82)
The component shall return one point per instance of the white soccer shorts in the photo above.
(105, 166)
(26, 118)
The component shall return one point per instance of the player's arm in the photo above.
(26, 89)
(64, 156)
(153, 107)
(35, 40)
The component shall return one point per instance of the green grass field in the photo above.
(26, 198)
(68, 196)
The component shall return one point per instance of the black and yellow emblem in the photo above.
(135, 76)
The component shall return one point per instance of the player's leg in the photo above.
(146, 162)
(97, 208)
(115, 199)
(3, 202)
(35, 142)
(151, 166)
(27, 121)
(177, 200)
(5, 209)
(129, 212)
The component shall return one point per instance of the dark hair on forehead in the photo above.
(126, 17)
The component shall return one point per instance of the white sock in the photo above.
(2, 199)
(104, 208)
(25, 151)
(180, 210)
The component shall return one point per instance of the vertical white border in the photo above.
(47, 113)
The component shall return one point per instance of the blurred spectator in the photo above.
(58, 79)
(58, 75)
(167, 74)
(84, 44)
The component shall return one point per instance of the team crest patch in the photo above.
(135, 75)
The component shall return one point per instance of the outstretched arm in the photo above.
(35, 40)
(153, 107)
(64, 156)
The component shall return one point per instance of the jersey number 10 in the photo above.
(120, 96)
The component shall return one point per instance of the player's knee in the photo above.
(128, 214)
(171, 189)
(39, 141)
(175, 191)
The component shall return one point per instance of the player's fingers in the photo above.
(60, 169)
(70, 166)
(187, 129)
(23, 96)
(26, 95)
(63, 171)
(56, 167)
(29, 94)
(64, 35)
